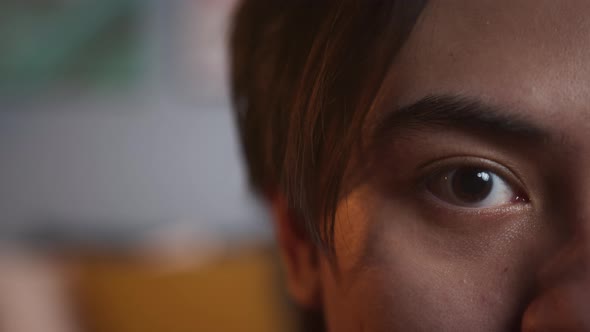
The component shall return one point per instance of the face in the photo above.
(481, 142)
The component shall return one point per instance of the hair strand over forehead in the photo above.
(304, 75)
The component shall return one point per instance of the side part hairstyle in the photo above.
(304, 75)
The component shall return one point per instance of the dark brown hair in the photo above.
(304, 75)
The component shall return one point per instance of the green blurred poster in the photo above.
(81, 44)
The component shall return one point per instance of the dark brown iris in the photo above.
(471, 185)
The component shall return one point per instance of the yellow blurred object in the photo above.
(236, 293)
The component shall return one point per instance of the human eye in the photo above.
(474, 186)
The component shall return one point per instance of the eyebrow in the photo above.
(459, 112)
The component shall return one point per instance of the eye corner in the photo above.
(521, 198)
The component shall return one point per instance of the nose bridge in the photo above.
(568, 254)
(571, 194)
(567, 274)
(570, 258)
(579, 209)
(577, 241)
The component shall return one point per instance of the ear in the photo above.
(299, 255)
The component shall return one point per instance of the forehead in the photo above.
(528, 54)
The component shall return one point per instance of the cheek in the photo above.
(395, 272)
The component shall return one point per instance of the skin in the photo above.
(407, 259)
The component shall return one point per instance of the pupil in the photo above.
(472, 185)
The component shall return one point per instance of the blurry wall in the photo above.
(151, 145)
(123, 202)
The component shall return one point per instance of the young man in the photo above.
(426, 162)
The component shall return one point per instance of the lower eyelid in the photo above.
(436, 204)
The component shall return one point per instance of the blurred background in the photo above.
(124, 205)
